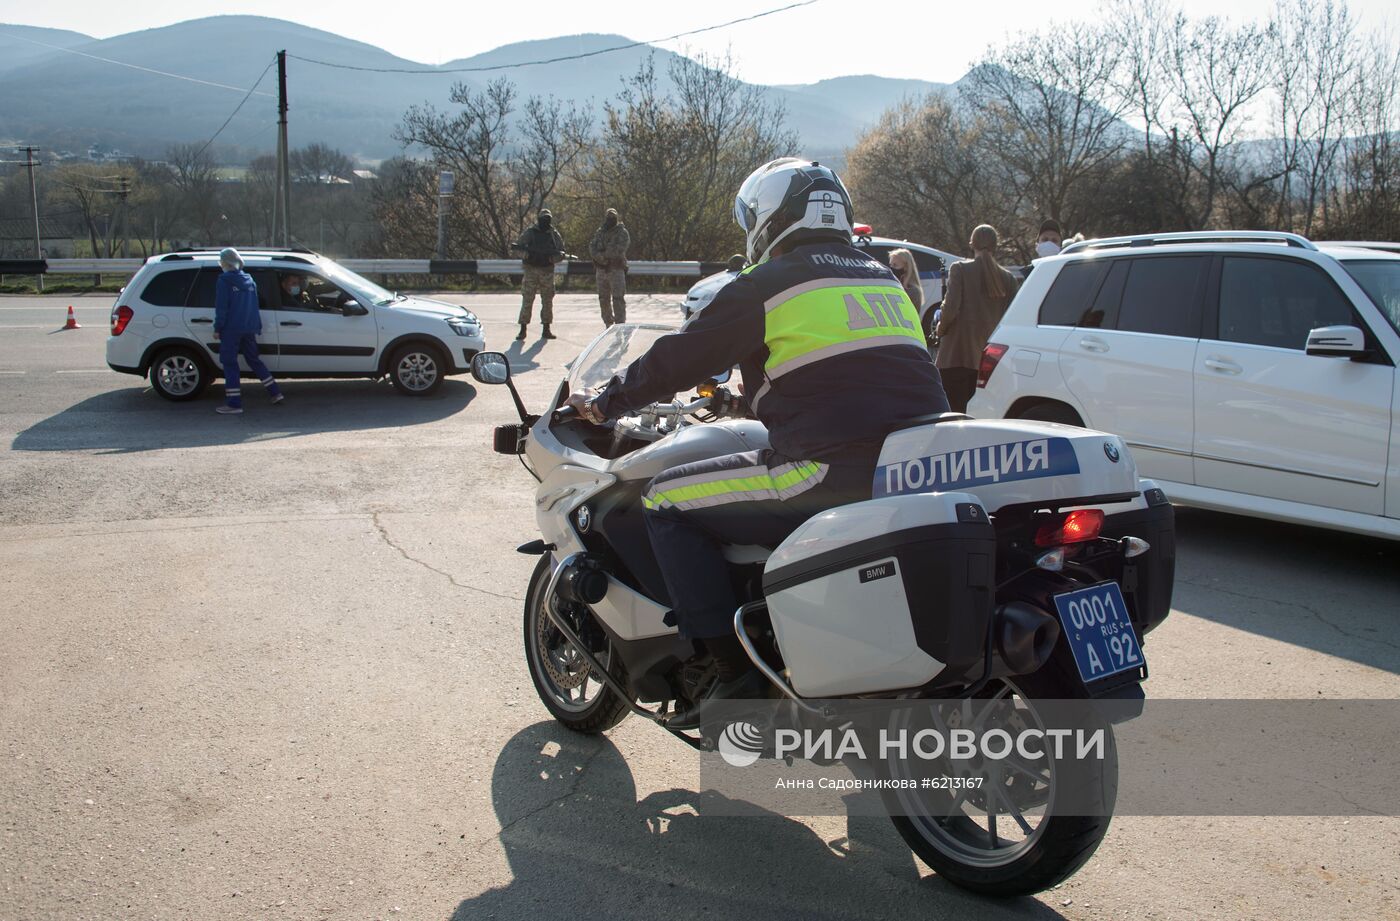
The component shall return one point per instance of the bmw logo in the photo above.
(585, 518)
(1111, 451)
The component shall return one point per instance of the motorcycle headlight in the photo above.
(465, 326)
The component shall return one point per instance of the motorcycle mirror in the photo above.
(721, 378)
(490, 367)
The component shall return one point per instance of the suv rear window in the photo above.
(1162, 296)
(168, 289)
(1070, 295)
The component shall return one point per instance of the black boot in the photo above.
(521, 337)
(547, 334)
(735, 679)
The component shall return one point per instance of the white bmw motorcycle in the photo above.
(968, 577)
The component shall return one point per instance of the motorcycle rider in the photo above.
(833, 358)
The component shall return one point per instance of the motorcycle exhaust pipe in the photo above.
(1025, 637)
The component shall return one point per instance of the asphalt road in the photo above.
(270, 667)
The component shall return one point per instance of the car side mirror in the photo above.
(353, 309)
(1336, 342)
(490, 367)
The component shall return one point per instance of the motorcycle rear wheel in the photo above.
(566, 685)
(969, 849)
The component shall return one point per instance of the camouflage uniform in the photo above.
(545, 246)
(609, 254)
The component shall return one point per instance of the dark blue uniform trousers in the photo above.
(231, 345)
(754, 498)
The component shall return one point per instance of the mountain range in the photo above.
(61, 89)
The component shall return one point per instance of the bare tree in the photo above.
(1216, 72)
(319, 163)
(673, 153)
(920, 174)
(1315, 56)
(1051, 119)
(505, 168)
(197, 182)
(1368, 201)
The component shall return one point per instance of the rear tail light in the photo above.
(120, 317)
(1077, 527)
(992, 354)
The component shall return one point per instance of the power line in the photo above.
(245, 98)
(149, 70)
(568, 57)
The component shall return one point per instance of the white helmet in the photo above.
(787, 196)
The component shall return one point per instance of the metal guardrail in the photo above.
(574, 267)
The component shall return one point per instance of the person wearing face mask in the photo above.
(608, 250)
(294, 295)
(977, 294)
(1051, 239)
(541, 247)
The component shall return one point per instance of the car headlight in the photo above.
(465, 326)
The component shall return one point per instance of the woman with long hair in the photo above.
(902, 264)
(977, 294)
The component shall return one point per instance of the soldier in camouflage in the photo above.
(609, 254)
(541, 247)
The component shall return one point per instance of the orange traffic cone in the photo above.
(72, 319)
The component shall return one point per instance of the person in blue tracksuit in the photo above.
(237, 323)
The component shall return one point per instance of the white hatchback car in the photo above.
(1249, 372)
(343, 326)
(931, 263)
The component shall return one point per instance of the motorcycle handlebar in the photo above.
(565, 412)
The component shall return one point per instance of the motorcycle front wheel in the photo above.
(563, 679)
(1006, 838)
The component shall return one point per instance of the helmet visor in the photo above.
(744, 214)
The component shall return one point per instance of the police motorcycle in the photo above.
(975, 573)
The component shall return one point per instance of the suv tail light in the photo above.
(992, 354)
(1077, 527)
(120, 317)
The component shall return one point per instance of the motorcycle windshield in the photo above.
(614, 349)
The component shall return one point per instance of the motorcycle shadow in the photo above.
(576, 836)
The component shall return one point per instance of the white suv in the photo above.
(343, 325)
(1249, 372)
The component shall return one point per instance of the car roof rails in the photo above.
(276, 252)
(1202, 236)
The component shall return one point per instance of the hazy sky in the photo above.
(894, 38)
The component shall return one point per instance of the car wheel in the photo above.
(1051, 412)
(416, 370)
(178, 375)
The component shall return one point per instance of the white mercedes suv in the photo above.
(340, 325)
(1250, 372)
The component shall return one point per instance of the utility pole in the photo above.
(123, 190)
(446, 183)
(284, 172)
(29, 153)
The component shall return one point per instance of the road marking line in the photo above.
(11, 372)
(87, 371)
(35, 326)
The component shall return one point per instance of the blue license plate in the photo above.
(1095, 622)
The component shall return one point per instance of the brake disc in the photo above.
(567, 669)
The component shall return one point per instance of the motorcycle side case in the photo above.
(883, 595)
(1148, 579)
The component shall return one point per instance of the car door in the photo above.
(1129, 360)
(1274, 421)
(199, 320)
(316, 336)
